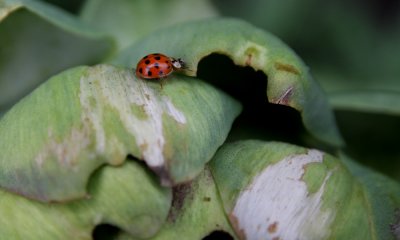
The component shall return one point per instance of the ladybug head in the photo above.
(178, 63)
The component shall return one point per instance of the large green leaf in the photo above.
(127, 197)
(289, 81)
(383, 102)
(52, 140)
(38, 41)
(128, 20)
(276, 190)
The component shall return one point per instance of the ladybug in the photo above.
(157, 65)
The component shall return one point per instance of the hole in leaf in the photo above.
(157, 173)
(218, 235)
(130, 157)
(105, 232)
(259, 119)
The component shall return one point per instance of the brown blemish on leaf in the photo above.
(235, 224)
(206, 199)
(248, 59)
(272, 228)
(180, 194)
(287, 68)
(285, 97)
(147, 96)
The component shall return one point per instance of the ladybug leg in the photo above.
(162, 81)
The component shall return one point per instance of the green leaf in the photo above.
(272, 190)
(136, 18)
(382, 196)
(196, 211)
(289, 81)
(381, 102)
(126, 197)
(38, 41)
(52, 140)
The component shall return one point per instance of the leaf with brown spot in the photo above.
(273, 227)
(279, 190)
(189, 209)
(287, 68)
(289, 81)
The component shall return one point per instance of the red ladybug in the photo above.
(157, 65)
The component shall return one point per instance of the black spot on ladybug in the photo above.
(149, 73)
(160, 73)
(157, 67)
(140, 70)
(169, 67)
(147, 61)
(157, 58)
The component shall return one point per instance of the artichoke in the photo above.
(243, 143)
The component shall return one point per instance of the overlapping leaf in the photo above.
(57, 136)
(289, 82)
(127, 197)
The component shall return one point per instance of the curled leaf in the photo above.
(52, 140)
(126, 197)
(289, 81)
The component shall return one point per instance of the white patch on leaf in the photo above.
(91, 113)
(278, 205)
(121, 92)
(67, 151)
(173, 112)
